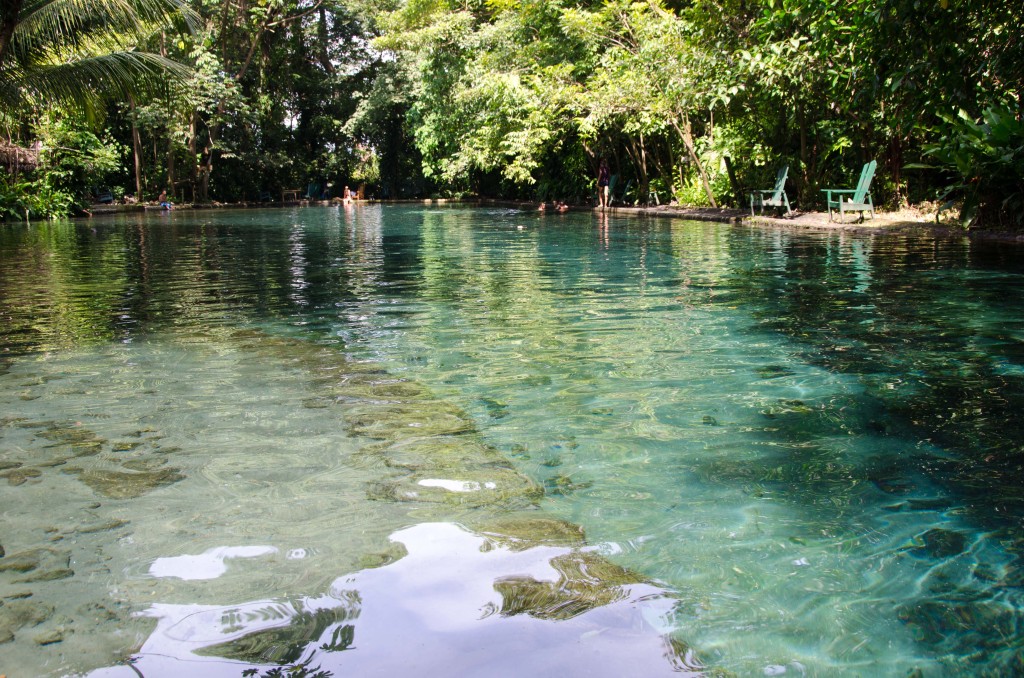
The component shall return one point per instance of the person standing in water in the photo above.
(603, 179)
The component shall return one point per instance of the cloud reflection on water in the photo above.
(458, 604)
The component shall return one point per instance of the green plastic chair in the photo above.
(772, 197)
(312, 191)
(856, 201)
(621, 197)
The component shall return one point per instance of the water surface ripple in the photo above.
(357, 440)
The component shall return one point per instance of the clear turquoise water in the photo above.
(803, 447)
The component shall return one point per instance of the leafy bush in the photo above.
(74, 160)
(22, 199)
(987, 159)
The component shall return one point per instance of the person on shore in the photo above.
(164, 202)
(603, 179)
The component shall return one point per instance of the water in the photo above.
(456, 441)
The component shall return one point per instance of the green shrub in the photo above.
(987, 160)
(22, 199)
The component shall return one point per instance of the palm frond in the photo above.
(66, 24)
(88, 82)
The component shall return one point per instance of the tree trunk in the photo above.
(323, 39)
(136, 152)
(206, 166)
(10, 11)
(895, 162)
(644, 178)
(193, 166)
(802, 189)
(686, 134)
(171, 178)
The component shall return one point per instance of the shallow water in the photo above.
(370, 441)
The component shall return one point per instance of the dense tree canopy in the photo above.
(522, 99)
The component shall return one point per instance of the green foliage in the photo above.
(987, 159)
(78, 53)
(522, 99)
(73, 159)
(26, 200)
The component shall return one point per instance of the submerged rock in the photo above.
(69, 435)
(774, 372)
(563, 485)
(109, 525)
(283, 645)
(939, 543)
(125, 445)
(149, 464)
(586, 581)
(121, 485)
(18, 476)
(32, 559)
(399, 421)
(46, 575)
(35, 565)
(19, 614)
(49, 637)
(518, 533)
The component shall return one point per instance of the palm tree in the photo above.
(80, 52)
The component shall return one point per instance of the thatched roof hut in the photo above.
(17, 158)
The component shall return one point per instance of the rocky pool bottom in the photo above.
(214, 504)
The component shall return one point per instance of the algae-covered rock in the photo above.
(148, 464)
(787, 407)
(18, 476)
(473, 488)
(562, 485)
(280, 645)
(939, 543)
(586, 581)
(49, 637)
(35, 565)
(121, 485)
(774, 372)
(394, 552)
(46, 575)
(125, 445)
(19, 614)
(379, 387)
(69, 434)
(107, 526)
(32, 559)
(398, 421)
(441, 454)
(518, 533)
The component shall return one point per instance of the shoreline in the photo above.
(905, 221)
